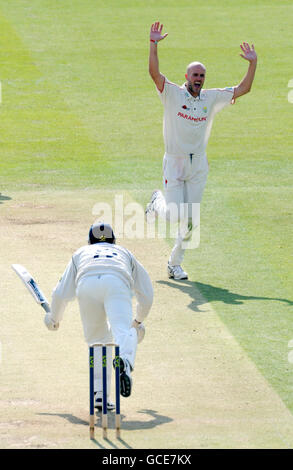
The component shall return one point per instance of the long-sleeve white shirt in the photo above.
(103, 258)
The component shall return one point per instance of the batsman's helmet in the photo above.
(100, 232)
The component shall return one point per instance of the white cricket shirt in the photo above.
(98, 259)
(188, 120)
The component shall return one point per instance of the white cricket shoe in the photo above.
(176, 272)
(99, 404)
(150, 212)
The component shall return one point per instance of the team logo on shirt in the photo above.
(205, 109)
(185, 107)
(191, 118)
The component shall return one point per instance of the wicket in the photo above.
(104, 389)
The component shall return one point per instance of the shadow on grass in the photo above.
(209, 293)
(4, 198)
(156, 420)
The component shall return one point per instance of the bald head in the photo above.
(195, 76)
(195, 64)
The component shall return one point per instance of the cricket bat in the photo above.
(31, 286)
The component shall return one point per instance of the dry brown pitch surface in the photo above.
(194, 387)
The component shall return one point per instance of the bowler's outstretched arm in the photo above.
(155, 37)
(246, 83)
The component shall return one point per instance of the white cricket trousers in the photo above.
(105, 303)
(184, 180)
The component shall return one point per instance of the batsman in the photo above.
(189, 111)
(103, 276)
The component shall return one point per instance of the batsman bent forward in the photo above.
(103, 277)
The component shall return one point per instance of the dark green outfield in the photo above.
(80, 111)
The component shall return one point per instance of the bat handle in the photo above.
(46, 307)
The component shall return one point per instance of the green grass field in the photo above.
(80, 112)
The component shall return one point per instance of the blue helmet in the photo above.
(100, 232)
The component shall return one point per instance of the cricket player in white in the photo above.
(103, 276)
(189, 111)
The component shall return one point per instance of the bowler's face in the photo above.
(195, 77)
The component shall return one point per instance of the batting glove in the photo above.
(50, 323)
(140, 329)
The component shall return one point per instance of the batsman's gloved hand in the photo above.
(50, 323)
(140, 329)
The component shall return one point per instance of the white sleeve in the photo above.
(169, 92)
(222, 98)
(63, 292)
(143, 290)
